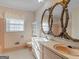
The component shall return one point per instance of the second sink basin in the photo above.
(65, 49)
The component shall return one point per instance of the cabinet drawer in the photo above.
(50, 55)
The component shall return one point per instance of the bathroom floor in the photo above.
(19, 54)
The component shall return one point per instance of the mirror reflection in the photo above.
(44, 24)
(56, 26)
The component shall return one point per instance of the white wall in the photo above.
(40, 11)
(12, 37)
(74, 5)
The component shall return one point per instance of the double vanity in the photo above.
(57, 49)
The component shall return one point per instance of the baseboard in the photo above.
(14, 48)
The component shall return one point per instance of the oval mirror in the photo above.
(56, 26)
(44, 22)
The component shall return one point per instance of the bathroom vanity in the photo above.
(50, 51)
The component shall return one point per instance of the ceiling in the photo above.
(26, 5)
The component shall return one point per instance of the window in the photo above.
(14, 25)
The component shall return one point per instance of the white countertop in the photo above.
(50, 45)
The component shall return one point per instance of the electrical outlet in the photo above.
(17, 43)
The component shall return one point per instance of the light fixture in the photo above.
(40, 0)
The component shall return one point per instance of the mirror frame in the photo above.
(64, 11)
(64, 33)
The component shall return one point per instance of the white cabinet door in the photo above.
(49, 54)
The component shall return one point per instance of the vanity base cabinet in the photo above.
(48, 54)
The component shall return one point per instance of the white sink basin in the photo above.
(64, 49)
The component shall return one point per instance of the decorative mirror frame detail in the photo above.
(64, 33)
